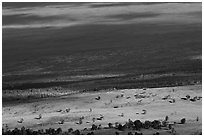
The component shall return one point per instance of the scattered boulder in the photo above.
(59, 110)
(144, 112)
(39, 117)
(99, 118)
(166, 97)
(20, 120)
(192, 99)
(121, 115)
(98, 98)
(61, 122)
(68, 110)
(184, 98)
(172, 101)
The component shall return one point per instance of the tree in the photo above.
(138, 124)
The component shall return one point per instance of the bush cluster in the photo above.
(28, 131)
(137, 125)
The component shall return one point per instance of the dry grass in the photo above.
(9, 95)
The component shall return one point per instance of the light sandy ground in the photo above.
(130, 102)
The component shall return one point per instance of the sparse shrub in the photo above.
(183, 121)
(130, 133)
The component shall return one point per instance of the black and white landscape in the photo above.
(102, 68)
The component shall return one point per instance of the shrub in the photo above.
(120, 127)
(164, 123)
(59, 131)
(183, 121)
(188, 96)
(130, 124)
(94, 127)
(166, 118)
(116, 125)
(110, 125)
(157, 133)
(136, 133)
(76, 132)
(70, 130)
(138, 124)
(156, 124)
(147, 124)
(91, 133)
